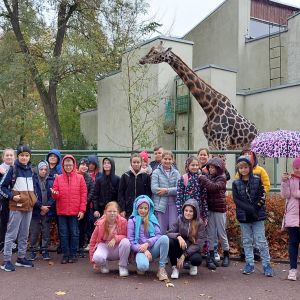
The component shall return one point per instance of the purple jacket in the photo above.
(143, 237)
(290, 190)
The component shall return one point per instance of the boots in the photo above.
(211, 263)
(225, 262)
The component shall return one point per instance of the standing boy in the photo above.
(18, 189)
(249, 197)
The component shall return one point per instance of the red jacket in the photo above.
(98, 234)
(72, 192)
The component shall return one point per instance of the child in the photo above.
(164, 188)
(203, 157)
(290, 190)
(21, 197)
(109, 241)
(157, 152)
(8, 158)
(106, 187)
(188, 187)
(145, 237)
(215, 184)
(86, 225)
(186, 237)
(133, 183)
(53, 158)
(145, 162)
(70, 192)
(249, 197)
(93, 166)
(42, 211)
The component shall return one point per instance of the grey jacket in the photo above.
(160, 179)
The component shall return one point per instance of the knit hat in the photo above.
(144, 155)
(23, 148)
(296, 162)
(42, 164)
(84, 161)
(141, 201)
(245, 159)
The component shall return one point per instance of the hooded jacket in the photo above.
(106, 188)
(98, 235)
(24, 186)
(93, 159)
(72, 192)
(249, 197)
(57, 170)
(182, 228)
(215, 186)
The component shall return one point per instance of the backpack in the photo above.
(185, 178)
(13, 181)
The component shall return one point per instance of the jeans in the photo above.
(294, 240)
(69, 234)
(255, 230)
(159, 249)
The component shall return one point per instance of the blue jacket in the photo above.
(57, 170)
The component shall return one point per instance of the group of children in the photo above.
(151, 211)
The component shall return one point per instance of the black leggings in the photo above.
(294, 240)
(4, 217)
(175, 252)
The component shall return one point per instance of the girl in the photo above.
(109, 241)
(290, 190)
(215, 184)
(133, 183)
(203, 157)
(188, 187)
(145, 237)
(163, 186)
(186, 235)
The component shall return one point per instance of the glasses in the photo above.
(68, 166)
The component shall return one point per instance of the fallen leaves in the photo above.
(60, 293)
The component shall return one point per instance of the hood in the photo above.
(40, 164)
(113, 167)
(194, 204)
(218, 163)
(254, 156)
(55, 152)
(94, 160)
(74, 161)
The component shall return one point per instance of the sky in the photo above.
(178, 16)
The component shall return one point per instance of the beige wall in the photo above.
(89, 126)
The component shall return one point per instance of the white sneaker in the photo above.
(104, 269)
(193, 270)
(292, 274)
(123, 271)
(217, 257)
(87, 248)
(175, 273)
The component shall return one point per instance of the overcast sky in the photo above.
(180, 16)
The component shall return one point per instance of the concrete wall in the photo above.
(89, 126)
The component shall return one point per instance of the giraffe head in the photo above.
(156, 55)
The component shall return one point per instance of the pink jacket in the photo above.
(290, 190)
(98, 234)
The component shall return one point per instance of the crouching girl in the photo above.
(145, 237)
(187, 236)
(109, 241)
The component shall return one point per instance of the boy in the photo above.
(22, 198)
(70, 192)
(93, 166)
(249, 197)
(53, 159)
(158, 152)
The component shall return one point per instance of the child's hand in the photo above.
(123, 213)
(2, 171)
(180, 261)
(111, 243)
(96, 214)
(17, 198)
(182, 243)
(285, 177)
(80, 216)
(148, 255)
(143, 247)
(162, 191)
(45, 209)
(54, 192)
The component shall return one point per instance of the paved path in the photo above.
(79, 281)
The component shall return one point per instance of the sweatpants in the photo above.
(169, 217)
(38, 226)
(217, 223)
(119, 252)
(17, 227)
(294, 241)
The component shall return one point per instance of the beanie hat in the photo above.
(245, 159)
(296, 162)
(144, 156)
(141, 201)
(42, 164)
(84, 161)
(23, 148)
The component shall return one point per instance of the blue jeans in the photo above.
(159, 249)
(69, 235)
(255, 230)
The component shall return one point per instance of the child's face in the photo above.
(43, 172)
(144, 164)
(83, 168)
(106, 165)
(167, 161)
(296, 171)
(24, 158)
(9, 157)
(249, 154)
(143, 210)
(194, 166)
(68, 166)
(158, 154)
(203, 157)
(53, 159)
(92, 167)
(188, 212)
(244, 169)
(212, 170)
(111, 213)
(136, 164)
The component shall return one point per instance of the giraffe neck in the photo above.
(205, 95)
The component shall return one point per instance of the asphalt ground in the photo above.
(79, 281)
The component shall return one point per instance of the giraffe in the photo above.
(224, 128)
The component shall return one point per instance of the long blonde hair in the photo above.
(106, 224)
